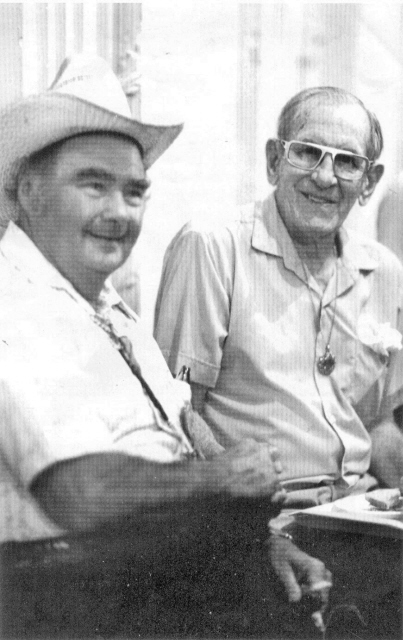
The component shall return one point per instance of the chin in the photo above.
(324, 226)
(107, 268)
(109, 262)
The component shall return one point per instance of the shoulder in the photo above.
(385, 261)
(219, 236)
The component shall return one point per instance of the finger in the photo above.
(275, 456)
(290, 583)
(279, 496)
(283, 567)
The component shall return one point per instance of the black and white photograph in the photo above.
(201, 320)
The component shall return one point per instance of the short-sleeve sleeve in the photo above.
(393, 391)
(193, 303)
(42, 424)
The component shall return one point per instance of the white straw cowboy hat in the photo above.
(85, 96)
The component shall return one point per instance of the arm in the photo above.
(387, 451)
(191, 329)
(109, 492)
(201, 434)
(91, 491)
(299, 573)
(386, 436)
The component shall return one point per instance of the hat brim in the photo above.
(39, 121)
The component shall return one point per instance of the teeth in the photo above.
(318, 200)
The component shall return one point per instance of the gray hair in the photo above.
(294, 114)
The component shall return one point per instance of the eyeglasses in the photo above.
(308, 156)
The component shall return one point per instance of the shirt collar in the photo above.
(24, 255)
(271, 236)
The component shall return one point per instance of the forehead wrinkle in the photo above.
(303, 118)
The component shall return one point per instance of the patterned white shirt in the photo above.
(65, 390)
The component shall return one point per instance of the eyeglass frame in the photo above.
(324, 149)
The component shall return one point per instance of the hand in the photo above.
(249, 469)
(300, 574)
(387, 452)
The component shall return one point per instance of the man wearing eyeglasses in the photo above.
(289, 324)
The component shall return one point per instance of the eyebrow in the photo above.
(101, 174)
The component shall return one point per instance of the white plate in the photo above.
(360, 506)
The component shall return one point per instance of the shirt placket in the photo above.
(325, 384)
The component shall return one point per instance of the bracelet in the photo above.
(279, 533)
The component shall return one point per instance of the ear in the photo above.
(274, 154)
(372, 178)
(29, 193)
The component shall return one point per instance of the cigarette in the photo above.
(318, 586)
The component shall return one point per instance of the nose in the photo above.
(117, 205)
(323, 175)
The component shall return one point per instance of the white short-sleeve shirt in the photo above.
(65, 390)
(235, 306)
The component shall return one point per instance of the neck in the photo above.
(89, 287)
(319, 258)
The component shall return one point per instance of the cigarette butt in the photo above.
(317, 618)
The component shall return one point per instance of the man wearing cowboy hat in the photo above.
(94, 430)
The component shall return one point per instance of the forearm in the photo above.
(202, 436)
(387, 452)
(88, 492)
(201, 433)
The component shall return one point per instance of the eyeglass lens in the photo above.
(305, 156)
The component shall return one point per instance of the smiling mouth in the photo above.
(318, 199)
(111, 230)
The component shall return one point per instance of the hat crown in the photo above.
(85, 97)
(90, 78)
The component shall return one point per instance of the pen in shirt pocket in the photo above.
(183, 374)
(186, 417)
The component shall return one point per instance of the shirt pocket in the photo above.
(367, 380)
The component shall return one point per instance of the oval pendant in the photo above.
(326, 363)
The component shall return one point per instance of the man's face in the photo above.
(315, 204)
(91, 205)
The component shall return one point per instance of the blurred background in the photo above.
(225, 69)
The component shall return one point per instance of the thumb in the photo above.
(275, 457)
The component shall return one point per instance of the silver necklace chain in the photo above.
(327, 362)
